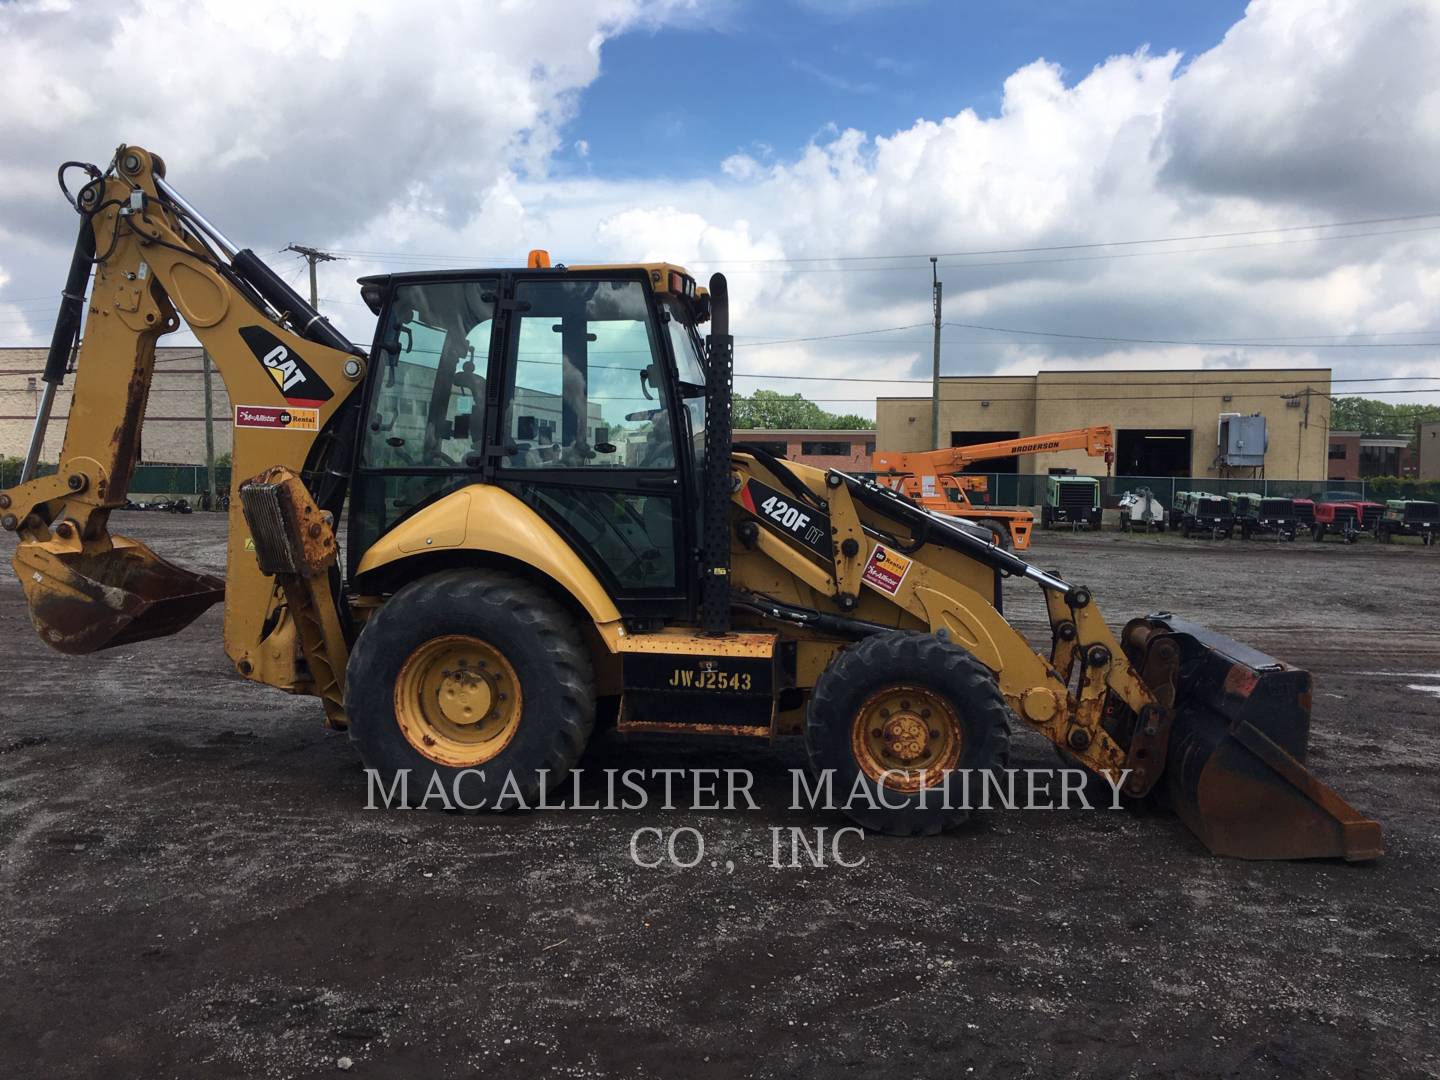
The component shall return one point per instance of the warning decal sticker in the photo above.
(885, 570)
(277, 417)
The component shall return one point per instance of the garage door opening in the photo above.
(989, 465)
(1152, 452)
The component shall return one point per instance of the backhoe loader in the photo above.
(543, 514)
(935, 478)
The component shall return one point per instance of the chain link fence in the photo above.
(1004, 489)
(1014, 489)
(176, 480)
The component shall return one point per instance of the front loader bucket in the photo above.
(1235, 771)
(83, 601)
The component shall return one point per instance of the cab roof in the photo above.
(658, 273)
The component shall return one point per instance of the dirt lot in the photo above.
(192, 887)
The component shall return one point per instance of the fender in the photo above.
(483, 518)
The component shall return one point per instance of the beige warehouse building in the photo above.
(1166, 423)
(174, 429)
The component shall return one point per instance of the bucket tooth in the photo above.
(82, 600)
(1235, 770)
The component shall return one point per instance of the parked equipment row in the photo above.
(1332, 514)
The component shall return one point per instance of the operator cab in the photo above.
(581, 391)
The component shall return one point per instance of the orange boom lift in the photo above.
(933, 477)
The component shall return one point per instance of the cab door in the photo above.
(587, 433)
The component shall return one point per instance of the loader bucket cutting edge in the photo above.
(1235, 772)
(83, 601)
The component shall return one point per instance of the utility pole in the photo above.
(312, 256)
(935, 287)
(209, 431)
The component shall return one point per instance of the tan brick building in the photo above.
(174, 429)
(1166, 422)
(848, 450)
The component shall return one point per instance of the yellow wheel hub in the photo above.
(457, 700)
(906, 737)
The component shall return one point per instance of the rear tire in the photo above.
(945, 713)
(439, 646)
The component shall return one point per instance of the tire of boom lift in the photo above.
(535, 634)
(904, 657)
(1002, 534)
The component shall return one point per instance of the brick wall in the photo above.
(174, 428)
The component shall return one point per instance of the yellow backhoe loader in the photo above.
(543, 512)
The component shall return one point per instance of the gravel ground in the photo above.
(193, 888)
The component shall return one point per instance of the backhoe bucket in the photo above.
(83, 601)
(1235, 771)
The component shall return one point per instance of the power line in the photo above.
(1083, 246)
(1201, 342)
(1100, 372)
(1033, 249)
(1153, 397)
(1068, 259)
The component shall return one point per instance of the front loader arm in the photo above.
(1220, 727)
(935, 574)
(88, 589)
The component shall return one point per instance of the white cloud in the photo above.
(299, 119)
(1308, 111)
(1333, 103)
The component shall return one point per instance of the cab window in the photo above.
(586, 387)
(427, 408)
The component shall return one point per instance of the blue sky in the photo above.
(679, 99)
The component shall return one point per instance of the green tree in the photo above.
(772, 409)
(1371, 417)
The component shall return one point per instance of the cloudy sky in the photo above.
(1207, 182)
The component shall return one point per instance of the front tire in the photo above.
(894, 716)
(471, 676)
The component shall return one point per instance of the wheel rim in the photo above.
(457, 700)
(906, 737)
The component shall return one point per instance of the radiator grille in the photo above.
(261, 506)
